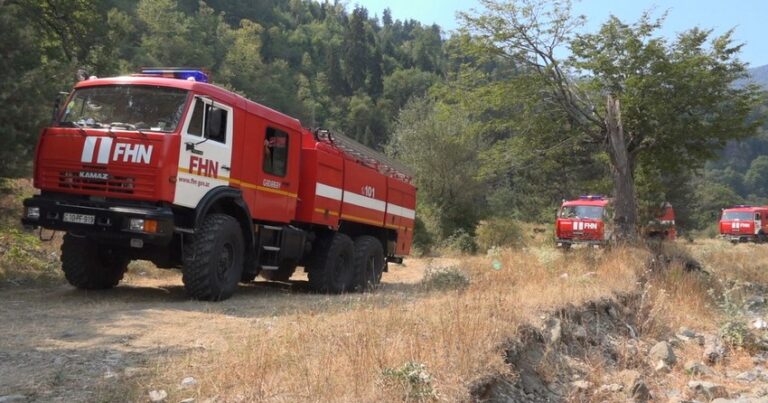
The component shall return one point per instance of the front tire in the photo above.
(213, 260)
(331, 268)
(90, 266)
(369, 263)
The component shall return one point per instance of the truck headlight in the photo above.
(142, 225)
(33, 212)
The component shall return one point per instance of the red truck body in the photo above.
(744, 223)
(183, 150)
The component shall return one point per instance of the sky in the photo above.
(749, 18)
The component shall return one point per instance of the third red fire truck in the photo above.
(744, 223)
(163, 166)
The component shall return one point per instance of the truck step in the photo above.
(265, 267)
(271, 248)
(272, 227)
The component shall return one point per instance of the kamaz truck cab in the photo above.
(586, 220)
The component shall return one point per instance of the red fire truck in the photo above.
(744, 223)
(163, 166)
(586, 220)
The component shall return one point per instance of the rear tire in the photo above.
(331, 267)
(90, 266)
(283, 273)
(369, 263)
(213, 259)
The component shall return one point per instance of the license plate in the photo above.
(79, 218)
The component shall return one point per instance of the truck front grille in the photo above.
(115, 184)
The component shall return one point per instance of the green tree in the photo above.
(439, 143)
(646, 100)
(756, 177)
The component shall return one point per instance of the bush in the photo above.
(445, 278)
(734, 328)
(461, 241)
(499, 232)
(414, 379)
(422, 239)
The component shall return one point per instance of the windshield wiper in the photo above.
(81, 130)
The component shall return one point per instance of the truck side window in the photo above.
(196, 123)
(275, 152)
(757, 216)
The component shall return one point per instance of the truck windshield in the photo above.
(129, 107)
(737, 215)
(592, 212)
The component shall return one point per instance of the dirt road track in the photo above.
(62, 344)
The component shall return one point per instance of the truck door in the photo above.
(205, 157)
(276, 199)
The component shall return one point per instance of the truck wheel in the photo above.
(369, 262)
(213, 260)
(90, 266)
(283, 273)
(331, 267)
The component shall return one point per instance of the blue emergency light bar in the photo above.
(591, 197)
(178, 73)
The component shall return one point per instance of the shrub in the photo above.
(461, 241)
(499, 232)
(422, 239)
(445, 278)
(734, 329)
(414, 379)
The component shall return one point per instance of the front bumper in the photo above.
(111, 220)
(576, 241)
(740, 237)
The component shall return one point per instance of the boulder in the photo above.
(707, 390)
(713, 349)
(662, 351)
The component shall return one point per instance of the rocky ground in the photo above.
(598, 353)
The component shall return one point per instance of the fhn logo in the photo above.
(100, 150)
(580, 225)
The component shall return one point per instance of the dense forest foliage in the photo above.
(460, 116)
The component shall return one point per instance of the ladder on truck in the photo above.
(372, 158)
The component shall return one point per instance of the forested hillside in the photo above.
(328, 66)
(468, 117)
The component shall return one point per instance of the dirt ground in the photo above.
(62, 344)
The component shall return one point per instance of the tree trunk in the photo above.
(622, 169)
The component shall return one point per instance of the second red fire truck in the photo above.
(163, 166)
(744, 223)
(589, 220)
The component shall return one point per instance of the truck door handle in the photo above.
(224, 167)
(287, 183)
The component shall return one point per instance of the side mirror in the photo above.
(57, 106)
(213, 128)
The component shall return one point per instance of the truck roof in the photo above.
(586, 202)
(746, 208)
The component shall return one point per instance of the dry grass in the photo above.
(345, 354)
(740, 262)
